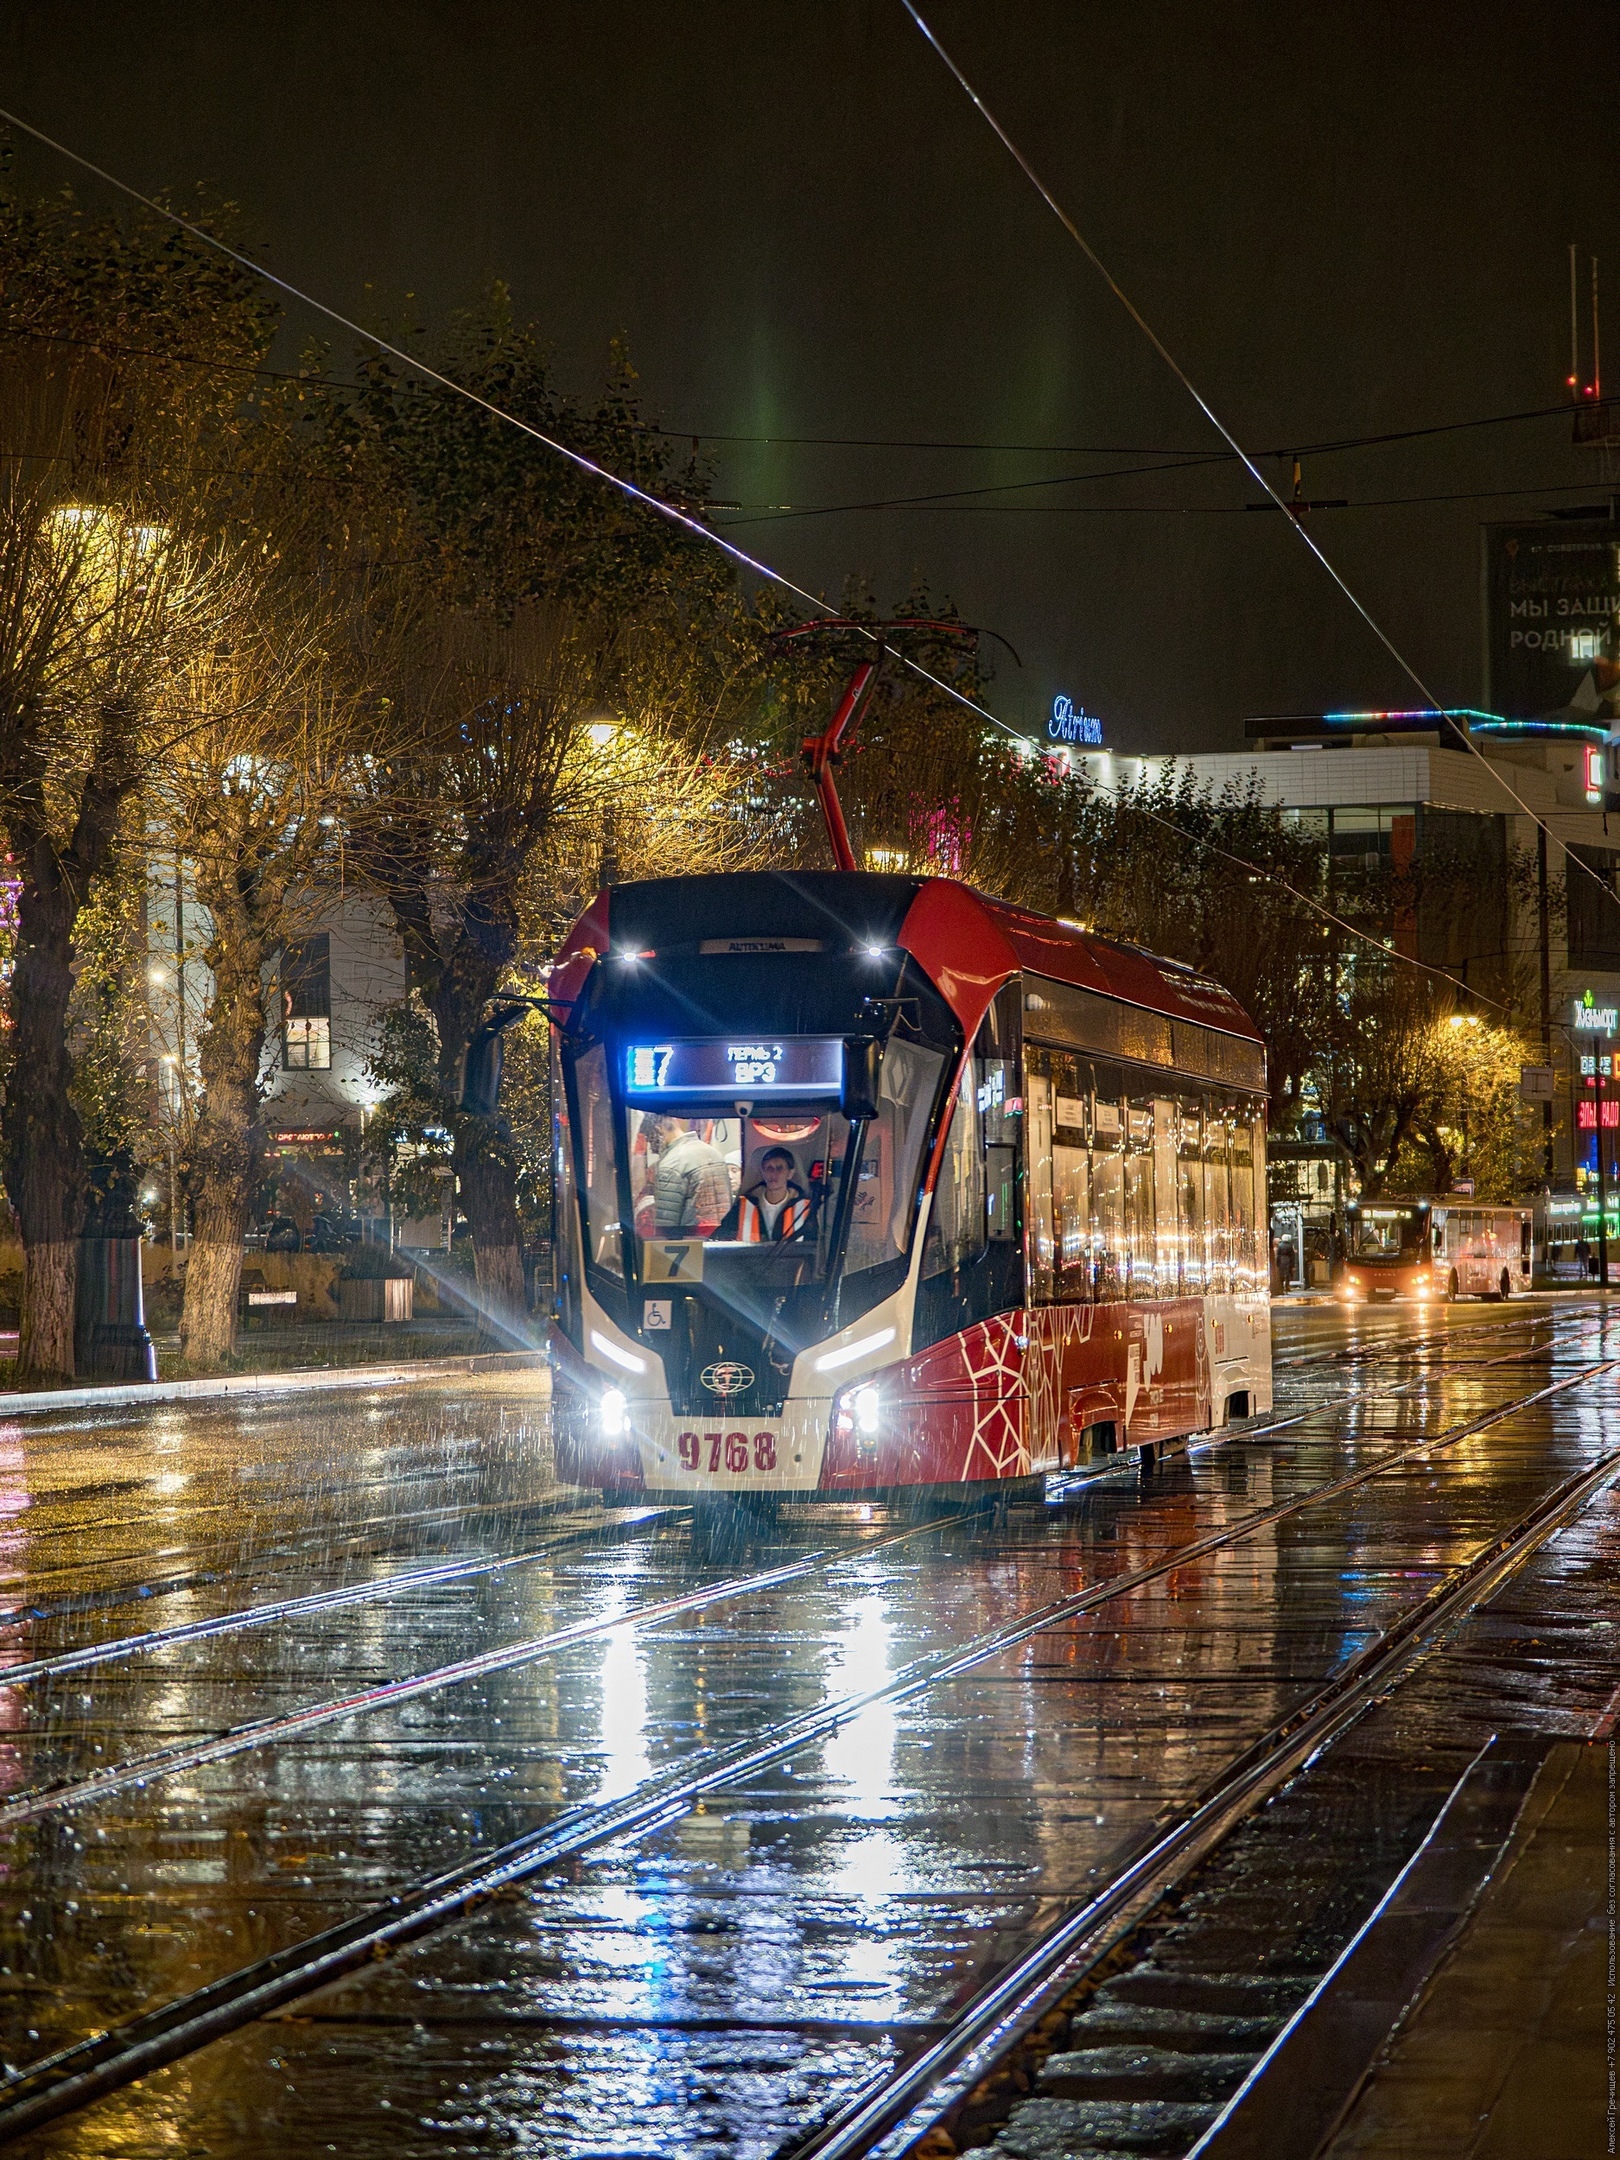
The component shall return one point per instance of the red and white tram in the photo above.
(868, 1182)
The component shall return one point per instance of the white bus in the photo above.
(1434, 1249)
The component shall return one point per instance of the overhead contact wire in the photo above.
(1216, 422)
(701, 531)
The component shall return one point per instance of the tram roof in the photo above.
(965, 942)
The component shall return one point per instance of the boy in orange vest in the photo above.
(777, 1207)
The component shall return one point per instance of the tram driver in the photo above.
(775, 1209)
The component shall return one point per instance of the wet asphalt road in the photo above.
(716, 1985)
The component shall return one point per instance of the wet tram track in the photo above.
(155, 1765)
(80, 2073)
(593, 1525)
(320, 1544)
(1035, 2014)
(388, 1532)
(147, 1770)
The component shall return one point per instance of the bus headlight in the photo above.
(868, 1405)
(611, 1410)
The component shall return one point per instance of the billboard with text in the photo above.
(1552, 621)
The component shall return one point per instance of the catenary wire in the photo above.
(1162, 450)
(1215, 421)
(952, 501)
(766, 571)
(1172, 454)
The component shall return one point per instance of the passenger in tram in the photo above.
(691, 1184)
(775, 1209)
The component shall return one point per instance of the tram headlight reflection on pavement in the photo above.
(611, 1411)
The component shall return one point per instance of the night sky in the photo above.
(1342, 219)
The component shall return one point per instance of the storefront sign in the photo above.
(1071, 723)
(1587, 1017)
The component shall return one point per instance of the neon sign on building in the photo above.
(1588, 1017)
(1071, 723)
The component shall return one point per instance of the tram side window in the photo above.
(1217, 1217)
(1071, 1198)
(601, 1176)
(1001, 1108)
(1110, 1268)
(1166, 1199)
(1261, 1264)
(1244, 1269)
(956, 1227)
(892, 1158)
(1190, 1194)
(1071, 1179)
(1057, 1094)
(1041, 1231)
(1141, 1227)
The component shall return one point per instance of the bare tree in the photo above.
(122, 346)
(542, 751)
(103, 594)
(248, 797)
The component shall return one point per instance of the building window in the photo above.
(307, 1045)
(1594, 912)
(306, 1005)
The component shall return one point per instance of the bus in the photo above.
(866, 1183)
(1426, 1249)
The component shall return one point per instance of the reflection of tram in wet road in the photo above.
(903, 1188)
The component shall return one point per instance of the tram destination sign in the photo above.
(756, 1067)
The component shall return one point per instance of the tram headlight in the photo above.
(868, 1407)
(610, 1409)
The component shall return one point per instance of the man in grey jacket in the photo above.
(691, 1185)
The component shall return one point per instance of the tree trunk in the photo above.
(224, 1158)
(488, 1185)
(214, 1275)
(50, 1281)
(44, 1140)
(489, 1197)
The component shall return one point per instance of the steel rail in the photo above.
(453, 1511)
(318, 1601)
(888, 2119)
(1380, 1349)
(166, 1762)
(87, 2070)
(1062, 1484)
(18, 1615)
(142, 1770)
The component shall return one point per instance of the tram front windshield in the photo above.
(721, 1189)
(1388, 1234)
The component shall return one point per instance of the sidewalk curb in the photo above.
(269, 1383)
